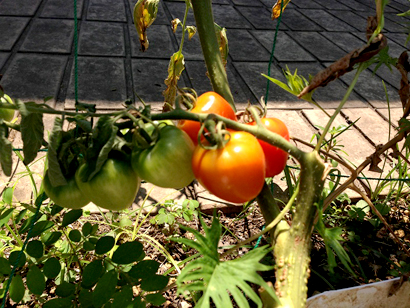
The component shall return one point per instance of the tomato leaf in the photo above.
(123, 299)
(32, 130)
(128, 252)
(71, 217)
(5, 268)
(35, 249)
(40, 227)
(91, 274)
(52, 268)
(222, 42)
(59, 303)
(105, 288)
(104, 245)
(220, 279)
(65, 289)
(175, 67)
(54, 170)
(145, 12)
(6, 150)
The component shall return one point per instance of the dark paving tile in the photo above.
(286, 49)
(359, 22)
(19, 7)
(251, 73)
(311, 40)
(161, 17)
(308, 4)
(401, 7)
(192, 48)
(177, 10)
(294, 20)
(107, 10)
(226, 16)
(357, 6)
(10, 30)
(160, 44)
(395, 49)
(200, 82)
(247, 2)
(3, 58)
(48, 35)
(148, 76)
(101, 38)
(344, 40)
(332, 4)
(389, 25)
(328, 21)
(329, 96)
(393, 76)
(100, 81)
(61, 9)
(399, 38)
(371, 88)
(396, 23)
(251, 51)
(259, 17)
(33, 76)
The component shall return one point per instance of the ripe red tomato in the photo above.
(235, 173)
(209, 102)
(275, 158)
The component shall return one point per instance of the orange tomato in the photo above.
(275, 157)
(235, 173)
(209, 102)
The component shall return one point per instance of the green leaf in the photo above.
(86, 298)
(105, 288)
(71, 217)
(6, 150)
(5, 216)
(56, 209)
(36, 281)
(59, 303)
(17, 289)
(54, 170)
(156, 299)
(5, 268)
(41, 227)
(128, 252)
(86, 229)
(104, 245)
(49, 238)
(17, 258)
(75, 235)
(218, 280)
(145, 268)
(123, 299)
(92, 273)
(52, 268)
(8, 195)
(138, 303)
(65, 289)
(19, 216)
(154, 283)
(88, 246)
(32, 130)
(35, 249)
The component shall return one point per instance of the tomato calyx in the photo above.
(215, 134)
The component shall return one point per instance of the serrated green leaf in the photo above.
(6, 150)
(217, 279)
(17, 289)
(71, 217)
(91, 274)
(52, 268)
(128, 252)
(36, 282)
(35, 249)
(54, 170)
(104, 245)
(105, 288)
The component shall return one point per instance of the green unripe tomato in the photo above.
(6, 114)
(113, 188)
(168, 162)
(68, 196)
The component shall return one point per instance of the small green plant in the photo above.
(170, 210)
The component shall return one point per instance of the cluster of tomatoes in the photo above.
(235, 172)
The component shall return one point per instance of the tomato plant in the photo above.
(275, 157)
(209, 102)
(68, 196)
(168, 162)
(114, 187)
(236, 172)
(6, 114)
